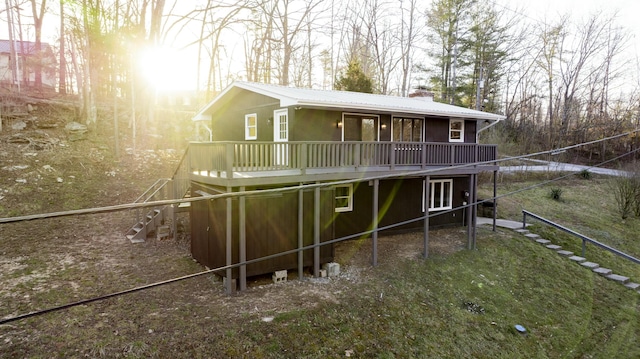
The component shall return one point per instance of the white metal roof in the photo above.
(356, 101)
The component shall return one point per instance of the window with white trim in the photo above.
(456, 130)
(344, 198)
(440, 195)
(251, 126)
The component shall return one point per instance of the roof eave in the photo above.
(478, 115)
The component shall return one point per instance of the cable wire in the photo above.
(212, 271)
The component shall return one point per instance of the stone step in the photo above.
(590, 265)
(543, 241)
(555, 247)
(532, 236)
(632, 285)
(577, 259)
(565, 253)
(618, 278)
(603, 271)
(522, 231)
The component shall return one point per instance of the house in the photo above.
(314, 166)
(28, 59)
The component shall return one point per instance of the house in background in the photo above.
(315, 165)
(28, 59)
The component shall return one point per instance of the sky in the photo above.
(539, 10)
(534, 10)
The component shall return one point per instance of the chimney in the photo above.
(422, 95)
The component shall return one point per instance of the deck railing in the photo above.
(222, 159)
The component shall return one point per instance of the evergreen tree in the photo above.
(354, 79)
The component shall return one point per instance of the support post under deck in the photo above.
(374, 226)
(300, 234)
(426, 199)
(242, 233)
(316, 232)
(229, 257)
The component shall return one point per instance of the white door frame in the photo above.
(281, 134)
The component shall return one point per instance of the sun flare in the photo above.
(167, 69)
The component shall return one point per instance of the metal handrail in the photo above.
(584, 238)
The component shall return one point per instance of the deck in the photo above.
(271, 163)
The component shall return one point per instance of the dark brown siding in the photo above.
(470, 131)
(437, 130)
(314, 125)
(399, 201)
(271, 227)
(228, 125)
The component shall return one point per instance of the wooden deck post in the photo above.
(300, 234)
(316, 232)
(475, 209)
(229, 258)
(495, 200)
(242, 223)
(229, 158)
(469, 211)
(374, 235)
(427, 202)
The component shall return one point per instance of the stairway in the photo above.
(150, 223)
(155, 218)
(594, 267)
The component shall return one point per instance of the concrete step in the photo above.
(565, 253)
(522, 231)
(590, 265)
(532, 236)
(618, 278)
(632, 285)
(543, 241)
(577, 259)
(555, 247)
(603, 271)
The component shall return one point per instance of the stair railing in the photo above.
(584, 238)
(157, 191)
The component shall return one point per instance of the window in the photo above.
(407, 129)
(440, 195)
(344, 198)
(251, 126)
(456, 130)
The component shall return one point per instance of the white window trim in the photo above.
(247, 127)
(432, 184)
(349, 198)
(451, 121)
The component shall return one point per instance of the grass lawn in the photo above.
(463, 304)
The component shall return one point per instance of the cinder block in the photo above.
(323, 273)
(332, 268)
(279, 276)
(162, 232)
(233, 285)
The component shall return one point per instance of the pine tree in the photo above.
(354, 79)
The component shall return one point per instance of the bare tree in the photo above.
(38, 15)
